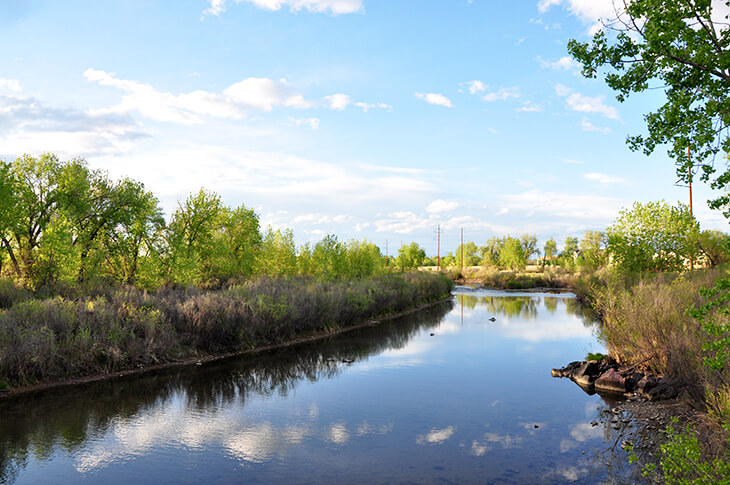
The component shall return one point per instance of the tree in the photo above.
(470, 256)
(512, 254)
(715, 246)
(592, 250)
(363, 259)
(278, 256)
(410, 256)
(653, 237)
(681, 46)
(191, 237)
(329, 258)
(490, 252)
(550, 250)
(40, 198)
(529, 245)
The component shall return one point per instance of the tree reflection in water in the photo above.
(40, 424)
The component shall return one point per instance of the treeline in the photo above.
(649, 237)
(61, 221)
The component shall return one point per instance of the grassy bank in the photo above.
(61, 334)
(677, 325)
(514, 280)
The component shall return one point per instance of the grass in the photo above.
(63, 336)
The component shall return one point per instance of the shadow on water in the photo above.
(35, 426)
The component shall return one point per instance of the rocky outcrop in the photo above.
(607, 376)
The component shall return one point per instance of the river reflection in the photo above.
(445, 394)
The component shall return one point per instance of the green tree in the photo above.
(490, 252)
(529, 245)
(236, 243)
(411, 256)
(569, 253)
(278, 256)
(592, 250)
(329, 258)
(682, 47)
(363, 259)
(191, 236)
(470, 256)
(8, 212)
(40, 198)
(715, 246)
(512, 254)
(653, 237)
(549, 251)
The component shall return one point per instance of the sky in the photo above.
(367, 119)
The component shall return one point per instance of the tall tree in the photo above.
(653, 237)
(680, 46)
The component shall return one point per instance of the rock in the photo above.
(611, 381)
(586, 374)
(432, 334)
(666, 388)
(492, 319)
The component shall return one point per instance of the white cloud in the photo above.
(313, 123)
(503, 94)
(10, 84)
(575, 207)
(530, 107)
(588, 11)
(565, 63)
(338, 102)
(476, 87)
(603, 178)
(588, 126)
(440, 205)
(29, 126)
(235, 102)
(366, 106)
(585, 104)
(333, 7)
(434, 98)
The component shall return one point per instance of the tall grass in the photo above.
(121, 328)
(645, 321)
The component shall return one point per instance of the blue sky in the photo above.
(368, 119)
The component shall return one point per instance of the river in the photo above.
(445, 395)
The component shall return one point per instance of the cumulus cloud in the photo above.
(27, 125)
(235, 102)
(332, 7)
(503, 94)
(603, 178)
(435, 98)
(588, 11)
(565, 63)
(476, 87)
(10, 85)
(586, 125)
(586, 104)
(440, 205)
(530, 107)
(313, 123)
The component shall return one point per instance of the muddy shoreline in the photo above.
(207, 358)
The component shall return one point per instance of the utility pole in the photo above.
(462, 249)
(438, 248)
(689, 178)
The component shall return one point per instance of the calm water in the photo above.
(473, 403)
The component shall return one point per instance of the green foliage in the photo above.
(715, 246)
(680, 47)
(411, 256)
(470, 255)
(714, 316)
(653, 237)
(592, 250)
(512, 254)
(595, 356)
(329, 258)
(682, 463)
(529, 245)
(278, 253)
(551, 248)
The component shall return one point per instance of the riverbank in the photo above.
(648, 326)
(60, 341)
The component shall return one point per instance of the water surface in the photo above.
(472, 403)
